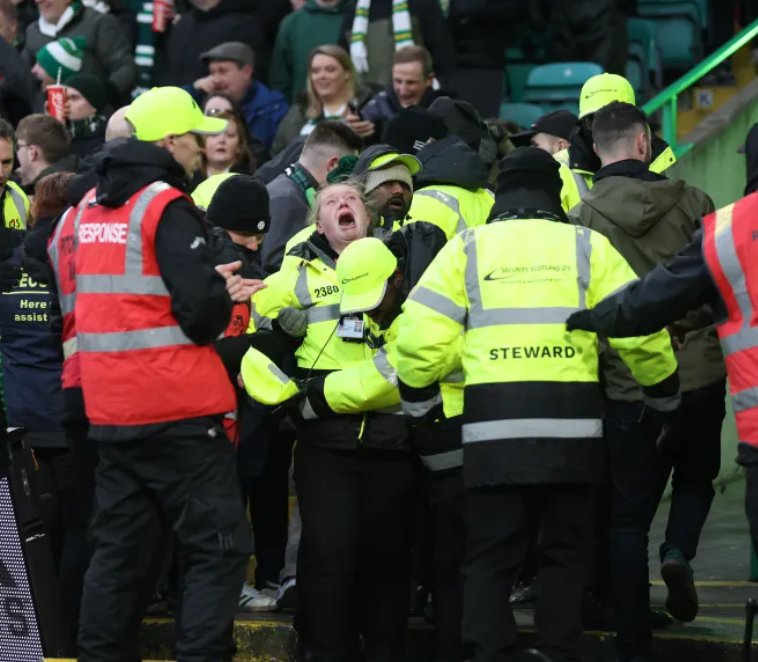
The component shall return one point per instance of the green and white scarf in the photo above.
(401, 28)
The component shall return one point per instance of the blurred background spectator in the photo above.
(85, 113)
(319, 22)
(226, 152)
(43, 146)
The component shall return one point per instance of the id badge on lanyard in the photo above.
(351, 328)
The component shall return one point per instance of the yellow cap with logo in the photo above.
(603, 89)
(363, 270)
(205, 191)
(165, 111)
(385, 160)
(264, 381)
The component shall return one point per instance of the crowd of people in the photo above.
(249, 253)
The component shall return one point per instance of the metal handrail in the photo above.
(667, 99)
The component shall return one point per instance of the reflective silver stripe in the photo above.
(479, 317)
(448, 201)
(747, 336)
(18, 201)
(438, 303)
(302, 292)
(260, 321)
(323, 313)
(443, 461)
(581, 184)
(747, 399)
(668, 403)
(532, 428)
(455, 377)
(52, 250)
(67, 302)
(123, 341)
(231, 415)
(278, 374)
(384, 367)
(69, 348)
(306, 410)
(583, 263)
(125, 284)
(421, 409)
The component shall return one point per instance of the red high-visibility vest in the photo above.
(61, 249)
(138, 367)
(731, 253)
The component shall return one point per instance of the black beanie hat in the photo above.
(91, 88)
(240, 204)
(529, 178)
(413, 128)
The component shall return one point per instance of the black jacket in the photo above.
(199, 31)
(451, 162)
(385, 105)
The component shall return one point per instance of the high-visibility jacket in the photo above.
(577, 183)
(729, 251)
(532, 401)
(62, 252)
(451, 208)
(138, 367)
(15, 207)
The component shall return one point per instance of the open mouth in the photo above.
(346, 219)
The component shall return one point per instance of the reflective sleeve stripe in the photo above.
(443, 461)
(533, 428)
(260, 321)
(123, 341)
(746, 399)
(323, 313)
(52, 249)
(125, 284)
(383, 366)
(421, 409)
(479, 317)
(746, 338)
(67, 302)
(438, 303)
(665, 404)
(448, 201)
(69, 348)
(18, 201)
(581, 184)
(306, 410)
(302, 292)
(274, 369)
(455, 377)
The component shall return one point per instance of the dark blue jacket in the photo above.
(32, 362)
(263, 110)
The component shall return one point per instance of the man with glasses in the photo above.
(43, 147)
(13, 201)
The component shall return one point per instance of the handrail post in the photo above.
(669, 120)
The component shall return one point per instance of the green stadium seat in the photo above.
(523, 114)
(679, 28)
(559, 85)
(517, 70)
(644, 62)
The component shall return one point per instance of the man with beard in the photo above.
(387, 176)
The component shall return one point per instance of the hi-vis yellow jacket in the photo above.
(532, 399)
(15, 207)
(451, 208)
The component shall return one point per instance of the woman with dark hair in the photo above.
(32, 365)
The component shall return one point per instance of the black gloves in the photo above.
(10, 275)
(580, 321)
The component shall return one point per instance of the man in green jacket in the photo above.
(317, 23)
(649, 219)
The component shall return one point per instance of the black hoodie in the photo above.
(199, 31)
(451, 162)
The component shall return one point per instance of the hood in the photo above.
(227, 7)
(451, 161)
(313, 7)
(634, 205)
(126, 165)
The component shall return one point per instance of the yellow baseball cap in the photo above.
(163, 111)
(264, 382)
(363, 270)
(603, 89)
(205, 191)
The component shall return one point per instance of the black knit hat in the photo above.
(240, 204)
(529, 178)
(413, 128)
(91, 88)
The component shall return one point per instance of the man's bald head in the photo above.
(118, 125)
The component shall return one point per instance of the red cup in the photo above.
(56, 101)
(160, 15)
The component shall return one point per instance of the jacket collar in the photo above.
(628, 168)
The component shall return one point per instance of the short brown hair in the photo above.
(46, 133)
(414, 54)
(6, 129)
(50, 195)
(332, 138)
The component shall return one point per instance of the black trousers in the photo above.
(186, 476)
(353, 564)
(496, 546)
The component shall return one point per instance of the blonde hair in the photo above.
(357, 185)
(315, 106)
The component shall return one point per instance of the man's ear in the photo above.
(563, 144)
(594, 149)
(332, 163)
(248, 70)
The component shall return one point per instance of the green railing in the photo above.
(667, 100)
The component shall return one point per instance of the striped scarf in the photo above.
(401, 23)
